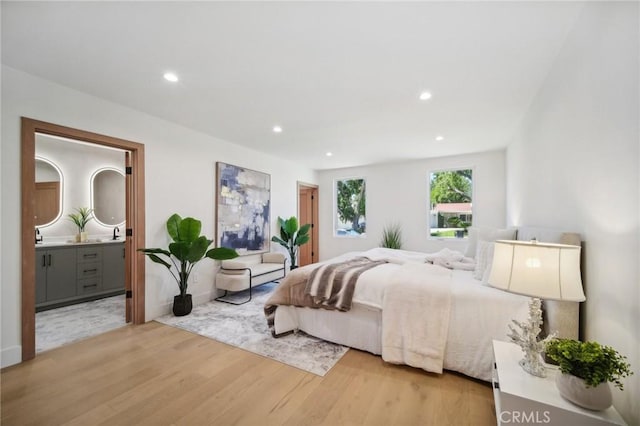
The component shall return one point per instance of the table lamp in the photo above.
(543, 271)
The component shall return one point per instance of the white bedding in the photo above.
(477, 315)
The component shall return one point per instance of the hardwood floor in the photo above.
(154, 374)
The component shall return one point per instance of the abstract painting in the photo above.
(243, 209)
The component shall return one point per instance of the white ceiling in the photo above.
(339, 77)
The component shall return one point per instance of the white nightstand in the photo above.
(521, 398)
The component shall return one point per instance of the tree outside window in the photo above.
(451, 193)
(351, 200)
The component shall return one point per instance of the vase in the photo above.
(575, 390)
(182, 305)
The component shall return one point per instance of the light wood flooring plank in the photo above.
(153, 374)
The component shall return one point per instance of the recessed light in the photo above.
(425, 95)
(439, 138)
(277, 129)
(329, 154)
(169, 76)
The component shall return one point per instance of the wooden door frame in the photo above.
(316, 226)
(134, 260)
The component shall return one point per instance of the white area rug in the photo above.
(61, 326)
(245, 326)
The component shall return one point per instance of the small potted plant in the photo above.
(81, 218)
(187, 249)
(292, 236)
(587, 368)
(392, 236)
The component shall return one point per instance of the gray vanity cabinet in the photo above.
(55, 273)
(75, 273)
(113, 267)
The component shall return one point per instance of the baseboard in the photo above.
(11, 356)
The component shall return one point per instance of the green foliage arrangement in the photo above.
(392, 236)
(187, 249)
(451, 186)
(81, 217)
(589, 361)
(292, 236)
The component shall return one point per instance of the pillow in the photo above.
(484, 257)
(487, 270)
(487, 234)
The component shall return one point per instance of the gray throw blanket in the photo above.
(332, 285)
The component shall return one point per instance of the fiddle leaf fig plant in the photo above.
(590, 361)
(186, 250)
(292, 236)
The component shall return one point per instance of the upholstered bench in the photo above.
(249, 272)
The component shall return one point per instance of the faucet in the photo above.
(116, 233)
(39, 237)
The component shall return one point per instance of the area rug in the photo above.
(245, 326)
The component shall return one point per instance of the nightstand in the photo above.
(521, 398)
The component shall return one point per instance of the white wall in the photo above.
(180, 177)
(398, 192)
(573, 165)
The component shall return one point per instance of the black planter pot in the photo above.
(182, 305)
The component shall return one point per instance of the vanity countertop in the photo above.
(69, 243)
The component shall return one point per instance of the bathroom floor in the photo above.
(61, 326)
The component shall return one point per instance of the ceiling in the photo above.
(338, 77)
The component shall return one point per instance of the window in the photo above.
(351, 200)
(450, 200)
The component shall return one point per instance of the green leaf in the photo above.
(221, 253)
(291, 225)
(280, 241)
(304, 229)
(301, 239)
(180, 250)
(173, 226)
(156, 259)
(155, 251)
(190, 229)
(197, 249)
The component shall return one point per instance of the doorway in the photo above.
(308, 213)
(134, 216)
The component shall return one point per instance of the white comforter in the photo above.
(478, 314)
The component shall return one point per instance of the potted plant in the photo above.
(292, 237)
(187, 249)
(392, 237)
(81, 218)
(587, 368)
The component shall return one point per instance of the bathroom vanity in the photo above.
(69, 273)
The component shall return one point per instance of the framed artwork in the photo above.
(243, 209)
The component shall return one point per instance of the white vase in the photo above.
(575, 390)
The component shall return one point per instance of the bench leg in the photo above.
(220, 299)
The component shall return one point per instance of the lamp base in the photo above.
(527, 339)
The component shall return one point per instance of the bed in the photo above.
(420, 314)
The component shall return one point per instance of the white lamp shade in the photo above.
(547, 271)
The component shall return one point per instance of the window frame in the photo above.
(473, 197)
(336, 220)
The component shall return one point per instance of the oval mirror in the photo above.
(48, 195)
(108, 196)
